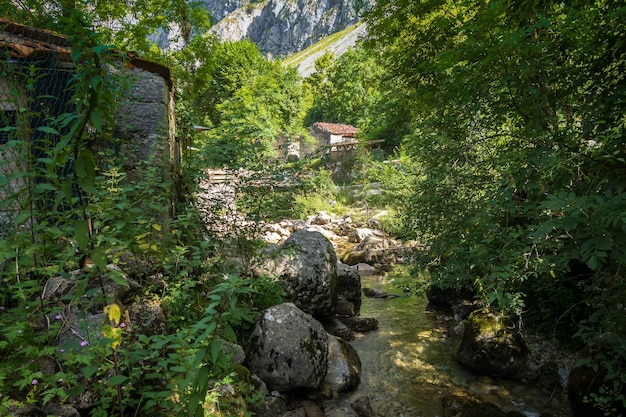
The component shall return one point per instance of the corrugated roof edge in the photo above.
(53, 38)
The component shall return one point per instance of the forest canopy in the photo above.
(505, 119)
(517, 117)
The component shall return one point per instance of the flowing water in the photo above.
(409, 363)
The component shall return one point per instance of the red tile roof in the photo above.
(336, 128)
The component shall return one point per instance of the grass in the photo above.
(296, 59)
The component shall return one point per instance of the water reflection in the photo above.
(409, 364)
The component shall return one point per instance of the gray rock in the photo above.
(358, 235)
(288, 349)
(312, 409)
(80, 329)
(344, 367)
(337, 328)
(219, 9)
(60, 410)
(363, 407)
(282, 27)
(365, 270)
(298, 412)
(48, 410)
(343, 307)
(340, 409)
(321, 218)
(307, 265)
(371, 255)
(462, 310)
(549, 377)
(376, 293)
(360, 324)
(328, 234)
(349, 286)
(83, 319)
(234, 350)
(147, 317)
(355, 257)
(462, 403)
(373, 241)
(492, 346)
(270, 406)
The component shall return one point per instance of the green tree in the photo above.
(354, 89)
(320, 88)
(249, 101)
(517, 124)
(229, 66)
(126, 24)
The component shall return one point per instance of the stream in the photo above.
(409, 363)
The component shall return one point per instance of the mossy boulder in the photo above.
(492, 345)
(306, 264)
(288, 349)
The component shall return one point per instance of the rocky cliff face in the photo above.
(282, 27)
(219, 9)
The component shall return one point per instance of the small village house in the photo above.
(36, 70)
(336, 138)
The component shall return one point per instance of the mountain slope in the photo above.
(337, 43)
(282, 27)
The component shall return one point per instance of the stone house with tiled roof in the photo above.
(330, 134)
(336, 139)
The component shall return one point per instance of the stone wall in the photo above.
(145, 123)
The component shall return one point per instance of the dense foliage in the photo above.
(354, 89)
(249, 103)
(518, 131)
(507, 123)
(73, 214)
(130, 25)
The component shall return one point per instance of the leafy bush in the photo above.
(317, 192)
(72, 211)
(517, 129)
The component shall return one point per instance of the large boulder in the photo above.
(373, 250)
(344, 367)
(288, 349)
(583, 383)
(447, 297)
(307, 265)
(349, 286)
(491, 345)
